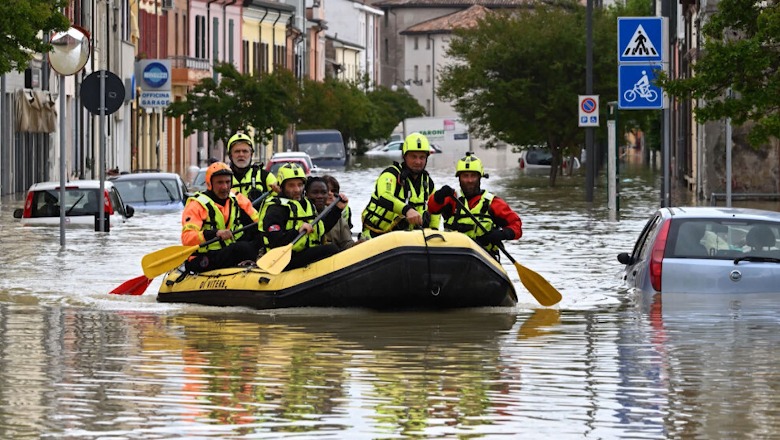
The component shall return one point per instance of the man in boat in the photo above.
(501, 222)
(401, 192)
(290, 213)
(249, 179)
(215, 213)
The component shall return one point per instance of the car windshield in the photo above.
(723, 239)
(323, 150)
(539, 157)
(147, 190)
(200, 179)
(46, 203)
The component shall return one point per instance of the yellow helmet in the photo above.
(416, 142)
(217, 169)
(290, 171)
(240, 137)
(469, 162)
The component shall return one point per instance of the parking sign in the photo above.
(589, 111)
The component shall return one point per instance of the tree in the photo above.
(741, 53)
(21, 21)
(392, 107)
(266, 103)
(516, 76)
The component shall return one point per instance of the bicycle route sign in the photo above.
(637, 91)
(641, 54)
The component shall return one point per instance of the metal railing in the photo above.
(743, 196)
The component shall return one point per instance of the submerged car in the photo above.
(706, 250)
(42, 204)
(152, 191)
(393, 149)
(540, 158)
(296, 157)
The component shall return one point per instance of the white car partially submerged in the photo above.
(42, 204)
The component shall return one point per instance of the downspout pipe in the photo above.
(224, 28)
(260, 34)
(273, 36)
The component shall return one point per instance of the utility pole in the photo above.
(590, 161)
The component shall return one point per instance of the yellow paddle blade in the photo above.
(164, 260)
(275, 260)
(543, 291)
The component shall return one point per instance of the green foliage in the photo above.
(273, 102)
(265, 103)
(20, 23)
(517, 76)
(359, 116)
(741, 52)
(392, 107)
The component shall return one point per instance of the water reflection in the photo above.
(76, 362)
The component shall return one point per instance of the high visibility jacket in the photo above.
(300, 212)
(460, 221)
(394, 192)
(256, 178)
(215, 220)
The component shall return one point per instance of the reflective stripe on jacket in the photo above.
(216, 221)
(300, 212)
(392, 193)
(462, 222)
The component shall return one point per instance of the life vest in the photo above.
(255, 178)
(217, 221)
(379, 217)
(301, 211)
(462, 222)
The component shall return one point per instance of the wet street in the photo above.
(76, 362)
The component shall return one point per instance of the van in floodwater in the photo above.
(325, 147)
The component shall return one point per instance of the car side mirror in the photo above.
(625, 258)
(129, 210)
(18, 212)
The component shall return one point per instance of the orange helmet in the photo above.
(217, 169)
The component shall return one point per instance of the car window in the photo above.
(81, 202)
(724, 239)
(148, 190)
(46, 204)
(641, 246)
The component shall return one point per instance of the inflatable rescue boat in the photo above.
(404, 270)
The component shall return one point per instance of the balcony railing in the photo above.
(190, 63)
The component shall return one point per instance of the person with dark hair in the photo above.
(341, 233)
(287, 215)
(215, 213)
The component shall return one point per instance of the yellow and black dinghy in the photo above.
(404, 270)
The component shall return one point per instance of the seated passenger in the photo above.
(689, 240)
(760, 238)
(215, 213)
(290, 213)
(341, 234)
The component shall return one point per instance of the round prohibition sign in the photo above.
(588, 105)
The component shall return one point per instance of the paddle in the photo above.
(543, 291)
(275, 260)
(164, 260)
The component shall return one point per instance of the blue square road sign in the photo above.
(641, 40)
(636, 90)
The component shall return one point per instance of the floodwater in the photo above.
(76, 362)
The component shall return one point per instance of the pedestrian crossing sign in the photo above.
(641, 39)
